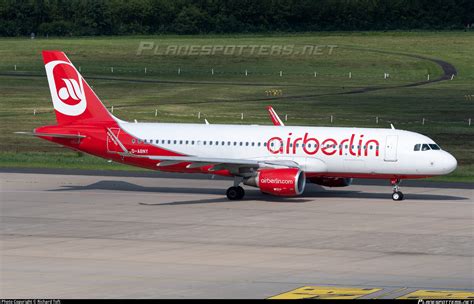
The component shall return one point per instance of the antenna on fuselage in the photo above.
(391, 125)
(207, 123)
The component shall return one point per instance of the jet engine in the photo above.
(279, 182)
(331, 181)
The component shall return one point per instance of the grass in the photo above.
(223, 96)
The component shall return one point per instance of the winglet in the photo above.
(274, 117)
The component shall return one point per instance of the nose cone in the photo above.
(449, 163)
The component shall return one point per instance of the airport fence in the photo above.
(244, 72)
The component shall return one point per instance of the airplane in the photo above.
(277, 159)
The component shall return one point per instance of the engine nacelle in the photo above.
(331, 181)
(280, 182)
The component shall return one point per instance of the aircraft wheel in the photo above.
(233, 193)
(397, 196)
(241, 192)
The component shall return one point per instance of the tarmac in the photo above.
(95, 236)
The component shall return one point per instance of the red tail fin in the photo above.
(73, 99)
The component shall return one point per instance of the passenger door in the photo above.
(391, 148)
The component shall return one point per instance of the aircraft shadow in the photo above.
(311, 193)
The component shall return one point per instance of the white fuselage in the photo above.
(316, 149)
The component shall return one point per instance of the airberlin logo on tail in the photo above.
(66, 86)
(71, 90)
(329, 146)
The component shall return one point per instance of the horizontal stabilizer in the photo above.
(72, 136)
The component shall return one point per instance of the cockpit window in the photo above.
(417, 147)
(425, 147)
(434, 147)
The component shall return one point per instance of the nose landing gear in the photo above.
(397, 195)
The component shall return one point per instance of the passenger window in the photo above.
(434, 147)
(169, 141)
(162, 141)
(253, 144)
(265, 144)
(247, 143)
(235, 143)
(223, 143)
(180, 142)
(425, 147)
(259, 144)
(228, 143)
(417, 147)
(240, 144)
(192, 142)
(204, 142)
(187, 141)
(133, 140)
(210, 142)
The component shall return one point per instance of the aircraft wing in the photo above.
(234, 166)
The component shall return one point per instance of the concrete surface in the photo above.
(140, 237)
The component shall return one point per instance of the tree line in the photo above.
(121, 17)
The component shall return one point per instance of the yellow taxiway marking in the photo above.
(439, 294)
(326, 292)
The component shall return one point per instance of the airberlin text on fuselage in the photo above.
(311, 145)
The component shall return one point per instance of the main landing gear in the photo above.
(397, 195)
(236, 192)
